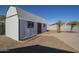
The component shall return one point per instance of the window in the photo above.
(30, 24)
(44, 25)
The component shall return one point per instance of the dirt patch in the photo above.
(45, 39)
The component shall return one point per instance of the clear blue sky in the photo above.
(51, 13)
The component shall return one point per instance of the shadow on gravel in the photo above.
(36, 49)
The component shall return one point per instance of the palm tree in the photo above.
(59, 24)
(73, 24)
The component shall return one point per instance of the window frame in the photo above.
(44, 25)
(30, 24)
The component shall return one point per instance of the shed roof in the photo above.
(25, 15)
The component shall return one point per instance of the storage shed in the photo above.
(21, 24)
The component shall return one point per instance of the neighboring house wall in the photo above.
(12, 24)
(76, 28)
(67, 28)
(64, 28)
(53, 27)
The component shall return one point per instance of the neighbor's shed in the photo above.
(21, 24)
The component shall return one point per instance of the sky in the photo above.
(51, 13)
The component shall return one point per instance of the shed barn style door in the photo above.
(39, 28)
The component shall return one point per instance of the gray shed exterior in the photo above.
(21, 24)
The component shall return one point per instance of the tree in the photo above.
(2, 18)
(2, 24)
(73, 24)
(59, 24)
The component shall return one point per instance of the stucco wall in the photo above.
(64, 28)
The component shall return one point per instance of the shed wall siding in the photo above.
(12, 24)
(44, 29)
(27, 32)
(16, 24)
